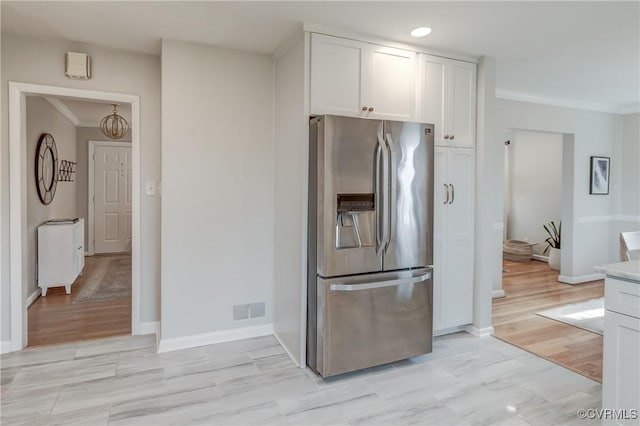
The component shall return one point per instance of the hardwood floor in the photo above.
(56, 319)
(531, 287)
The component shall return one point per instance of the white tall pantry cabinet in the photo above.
(325, 74)
(448, 99)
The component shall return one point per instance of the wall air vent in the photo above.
(78, 65)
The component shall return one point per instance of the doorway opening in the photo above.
(537, 311)
(99, 295)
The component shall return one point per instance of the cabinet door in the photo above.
(440, 199)
(620, 370)
(391, 84)
(457, 287)
(338, 67)
(432, 94)
(461, 100)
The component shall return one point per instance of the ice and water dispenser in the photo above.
(355, 220)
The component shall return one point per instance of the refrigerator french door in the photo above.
(370, 239)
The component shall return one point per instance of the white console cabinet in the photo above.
(60, 254)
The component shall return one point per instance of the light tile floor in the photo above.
(123, 381)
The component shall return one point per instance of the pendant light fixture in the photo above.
(114, 126)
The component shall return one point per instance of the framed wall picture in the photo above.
(599, 176)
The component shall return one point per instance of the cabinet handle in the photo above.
(452, 137)
(446, 136)
(370, 109)
(453, 194)
(364, 108)
(446, 190)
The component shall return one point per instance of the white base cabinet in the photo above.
(453, 230)
(60, 255)
(621, 351)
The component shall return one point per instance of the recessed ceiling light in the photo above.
(421, 32)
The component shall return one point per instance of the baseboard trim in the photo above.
(5, 346)
(299, 364)
(580, 279)
(495, 294)
(479, 332)
(34, 296)
(541, 258)
(167, 345)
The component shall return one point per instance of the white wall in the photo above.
(44, 118)
(41, 61)
(217, 201)
(625, 169)
(488, 225)
(593, 133)
(291, 177)
(83, 136)
(535, 185)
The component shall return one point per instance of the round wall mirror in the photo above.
(46, 167)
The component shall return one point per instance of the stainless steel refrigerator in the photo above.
(370, 253)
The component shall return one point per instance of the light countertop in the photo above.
(625, 270)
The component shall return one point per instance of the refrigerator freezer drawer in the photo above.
(373, 319)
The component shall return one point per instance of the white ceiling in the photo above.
(584, 54)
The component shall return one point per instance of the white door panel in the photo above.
(112, 194)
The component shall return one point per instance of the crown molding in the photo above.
(566, 103)
(64, 110)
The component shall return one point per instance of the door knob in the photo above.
(446, 136)
(364, 108)
(370, 109)
(451, 137)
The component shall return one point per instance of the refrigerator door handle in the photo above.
(446, 191)
(376, 171)
(379, 284)
(382, 209)
(453, 194)
(391, 197)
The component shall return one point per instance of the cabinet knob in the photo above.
(370, 109)
(451, 137)
(364, 108)
(446, 136)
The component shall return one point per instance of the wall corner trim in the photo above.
(580, 279)
(479, 332)
(195, 340)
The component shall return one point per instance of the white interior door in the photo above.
(112, 195)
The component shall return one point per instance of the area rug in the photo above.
(110, 280)
(587, 315)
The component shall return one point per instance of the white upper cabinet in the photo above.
(337, 68)
(361, 79)
(392, 87)
(448, 100)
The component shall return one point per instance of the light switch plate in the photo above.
(150, 187)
